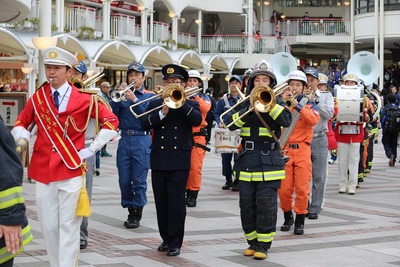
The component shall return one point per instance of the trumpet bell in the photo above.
(174, 96)
(365, 65)
(262, 98)
(283, 64)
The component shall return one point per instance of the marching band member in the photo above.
(15, 231)
(298, 146)
(133, 153)
(170, 158)
(61, 113)
(199, 141)
(349, 146)
(259, 165)
(228, 100)
(319, 145)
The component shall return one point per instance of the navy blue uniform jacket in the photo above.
(172, 136)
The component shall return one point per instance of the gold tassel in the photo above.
(83, 209)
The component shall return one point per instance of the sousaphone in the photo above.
(282, 64)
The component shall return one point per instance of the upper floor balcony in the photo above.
(87, 23)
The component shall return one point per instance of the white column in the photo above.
(250, 16)
(143, 23)
(106, 19)
(376, 34)
(199, 31)
(352, 38)
(58, 14)
(381, 43)
(151, 22)
(44, 31)
(62, 17)
(175, 31)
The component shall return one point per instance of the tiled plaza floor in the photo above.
(360, 230)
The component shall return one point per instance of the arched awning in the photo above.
(112, 54)
(188, 59)
(13, 48)
(152, 57)
(73, 45)
(231, 61)
(216, 63)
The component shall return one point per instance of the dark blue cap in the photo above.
(313, 72)
(136, 66)
(174, 71)
(235, 77)
(81, 67)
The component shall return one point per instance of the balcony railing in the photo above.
(79, 16)
(320, 26)
(238, 44)
(160, 32)
(123, 27)
(187, 39)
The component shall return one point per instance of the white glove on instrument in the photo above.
(102, 138)
(19, 132)
(86, 153)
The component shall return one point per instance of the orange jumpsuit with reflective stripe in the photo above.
(298, 168)
(198, 154)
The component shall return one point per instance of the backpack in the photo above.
(392, 122)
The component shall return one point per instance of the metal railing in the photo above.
(238, 44)
(320, 26)
(160, 32)
(123, 26)
(78, 16)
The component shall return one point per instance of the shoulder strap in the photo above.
(266, 125)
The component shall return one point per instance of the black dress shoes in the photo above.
(163, 247)
(313, 216)
(174, 252)
(83, 244)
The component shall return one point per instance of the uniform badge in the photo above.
(263, 65)
(170, 70)
(53, 54)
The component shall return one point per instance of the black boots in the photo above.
(299, 224)
(228, 184)
(287, 224)
(192, 199)
(134, 217)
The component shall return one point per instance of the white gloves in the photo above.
(86, 153)
(102, 138)
(19, 132)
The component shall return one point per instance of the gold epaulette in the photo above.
(88, 91)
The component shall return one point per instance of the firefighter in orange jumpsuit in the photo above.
(199, 141)
(298, 147)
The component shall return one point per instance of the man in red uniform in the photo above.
(199, 141)
(61, 114)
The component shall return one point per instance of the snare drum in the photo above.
(227, 141)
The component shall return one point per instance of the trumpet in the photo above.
(118, 96)
(174, 97)
(262, 98)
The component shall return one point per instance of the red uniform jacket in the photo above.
(46, 165)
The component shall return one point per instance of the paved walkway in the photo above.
(360, 230)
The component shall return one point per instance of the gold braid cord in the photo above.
(71, 119)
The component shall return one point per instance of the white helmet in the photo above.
(194, 74)
(297, 75)
(350, 77)
(323, 79)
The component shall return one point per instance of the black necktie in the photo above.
(56, 93)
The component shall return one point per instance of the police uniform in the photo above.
(58, 154)
(12, 209)
(260, 168)
(170, 162)
(133, 154)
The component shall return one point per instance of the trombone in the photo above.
(174, 97)
(78, 83)
(118, 96)
(262, 98)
